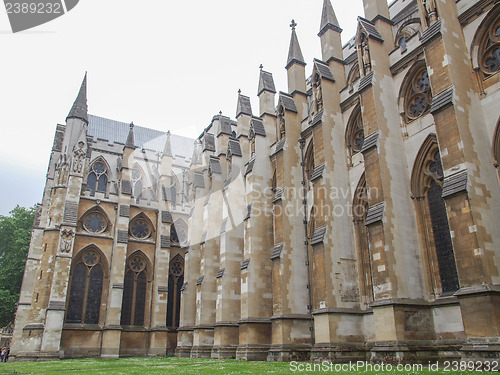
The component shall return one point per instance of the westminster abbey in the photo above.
(352, 216)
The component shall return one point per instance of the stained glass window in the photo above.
(489, 51)
(418, 97)
(134, 292)
(94, 222)
(139, 228)
(97, 179)
(86, 290)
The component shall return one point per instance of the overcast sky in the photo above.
(168, 65)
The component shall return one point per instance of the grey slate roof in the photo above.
(248, 212)
(199, 181)
(209, 142)
(250, 165)
(277, 251)
(245, 264)
(220, 273)
(258, 127)
(324, 70)
(234, 147)
(365, 82)
(288, 102)
(225, 126)
(244, 107)
(370, 29)
(431, 32)
(150, 139)
(317, 118)
(266, 82)
(79, 109)
(318, 235)
(328, 19)
(294, 52)
(214, 165)
(370, 142)
(375, 213)
(279, 194)
(455, 183)
(318, 172)
(442, 100)
(280, 145)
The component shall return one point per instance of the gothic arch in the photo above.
(87, 287)
(485, 42)
(138, 181)
(354, 135)
(141, 227)
(359, 211)
(309, 160)
(353, 76)
(136, 290)
(406, 31)
(432, 220)
(99, 176)
(175, 282)
(95, 220)
(415, 95)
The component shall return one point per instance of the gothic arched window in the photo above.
(137, 181)
(97, 179)
(489, 48)
(134, 292)
(418, 95)
(84, 301)
(175, 281)
(359, 211)
(140, 227)
(353, 76)
(94, 221)
(434, 230)
(309, 161)
(355, 135)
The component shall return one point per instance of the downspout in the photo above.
(302, 142)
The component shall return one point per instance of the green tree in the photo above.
(15, 236)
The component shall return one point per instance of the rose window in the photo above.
(490, 49)
(140, 229)
(419, 97)
(94, 222)
(137, 264)
(91, 258)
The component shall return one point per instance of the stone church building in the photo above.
(351, 216)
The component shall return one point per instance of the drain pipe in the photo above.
(302, 142)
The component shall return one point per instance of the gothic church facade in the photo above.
(354, 220)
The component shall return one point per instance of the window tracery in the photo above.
(418, 97)
(140, 228)
(489, 50)
(134, 291)
(355, 135)
(84, 301)
(95, 222)
(97, 179)
(137, 181)
(175, 281)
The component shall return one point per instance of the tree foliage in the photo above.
(15, 236)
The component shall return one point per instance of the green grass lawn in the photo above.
(152, 366)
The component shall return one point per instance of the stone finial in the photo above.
(79, 109)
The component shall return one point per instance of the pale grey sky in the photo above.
(168, 65)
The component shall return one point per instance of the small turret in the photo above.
(130, 138)
(167, 150)
(331, 45)
(295, 65)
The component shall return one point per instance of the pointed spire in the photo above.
(196, 158)
(167, 151)
(328, 19)
(244, 106)
(294, 52)
(266, 82)
(130, 138)
(79, 109)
